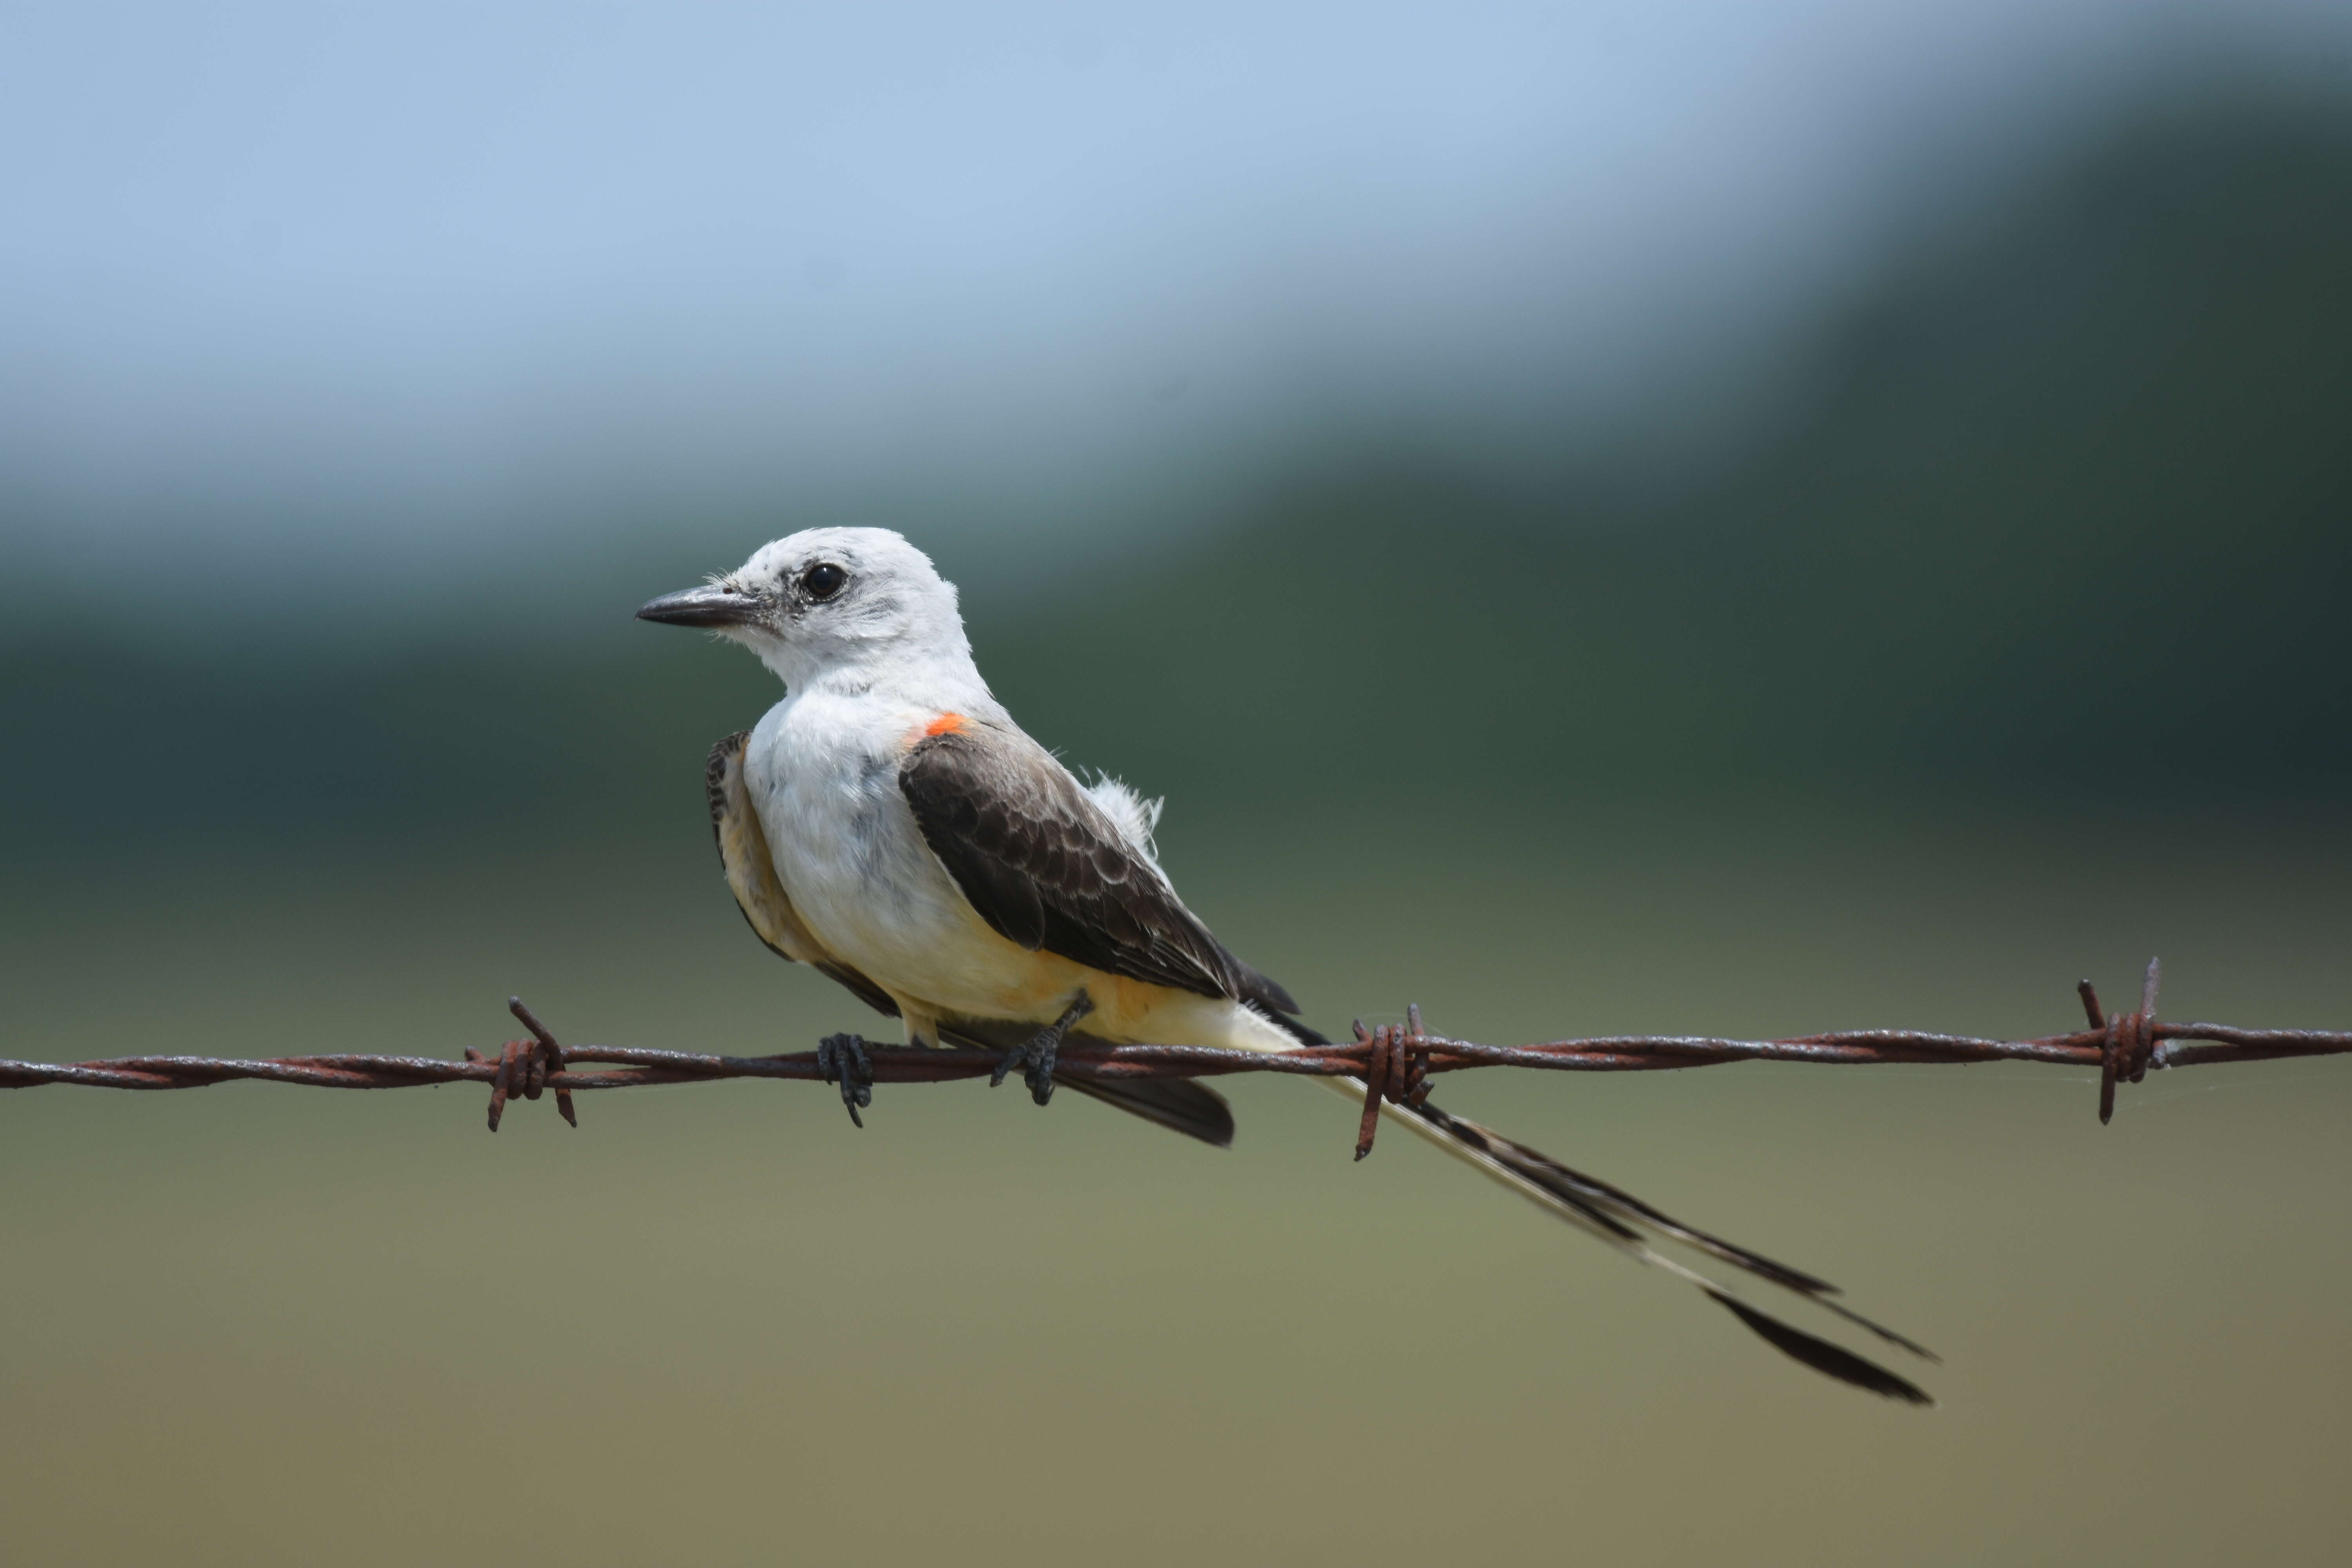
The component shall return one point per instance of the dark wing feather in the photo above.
(1180, 1104)
(1045, 868)
(1831, 1360)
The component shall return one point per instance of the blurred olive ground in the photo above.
(262, 1325)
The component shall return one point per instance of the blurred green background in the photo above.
(1970, 623)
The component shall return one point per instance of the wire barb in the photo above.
(1376, 1082)
(2128, 1042)
(547, 1060)
(1396, 1070)
(524, 1067)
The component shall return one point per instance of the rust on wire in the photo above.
(2129, 1040)
(1394, 1062)
(1381, 1044)
(1396, 1069)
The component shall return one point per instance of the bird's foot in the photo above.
(842, 1060)
(1041, 1051)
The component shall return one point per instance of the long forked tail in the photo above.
(1629, 1225)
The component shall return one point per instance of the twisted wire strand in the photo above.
(1395, 1061)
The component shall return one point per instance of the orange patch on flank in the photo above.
(947, 724)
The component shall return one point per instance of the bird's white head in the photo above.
(855, 606)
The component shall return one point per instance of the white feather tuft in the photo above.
(1134, 816)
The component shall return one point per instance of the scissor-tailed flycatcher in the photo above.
(888, 824)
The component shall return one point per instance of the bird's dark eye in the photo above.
(823, 580)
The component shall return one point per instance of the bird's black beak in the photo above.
(712, 606)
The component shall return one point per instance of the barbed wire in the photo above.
(1395, 1062)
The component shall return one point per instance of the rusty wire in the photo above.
(1395, 1062)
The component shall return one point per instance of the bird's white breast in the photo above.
(822, 773)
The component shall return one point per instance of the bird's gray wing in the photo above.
(1045, 868)
(751, 876)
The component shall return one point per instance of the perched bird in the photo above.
(890, 826)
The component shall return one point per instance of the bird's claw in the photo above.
(842, 1060)
(1036, 1057)
(1041, 1052)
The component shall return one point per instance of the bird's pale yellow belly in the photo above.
(980, 974)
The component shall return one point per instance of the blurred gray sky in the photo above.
(302, 284)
